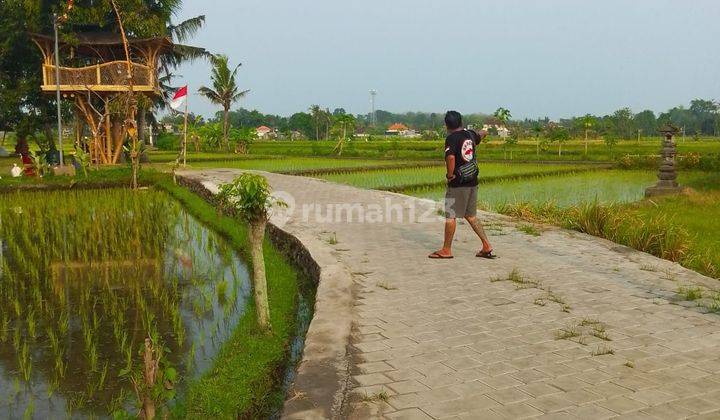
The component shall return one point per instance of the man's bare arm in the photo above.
(450, 164)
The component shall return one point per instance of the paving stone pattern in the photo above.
(457, 339)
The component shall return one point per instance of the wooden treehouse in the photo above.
(96, 76)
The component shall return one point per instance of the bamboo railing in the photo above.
(105, 77)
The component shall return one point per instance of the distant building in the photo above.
(501, 130)
(396, 129)
(169, 128)
(264, 132)
(401, 130)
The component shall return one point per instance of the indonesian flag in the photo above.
(179, 99)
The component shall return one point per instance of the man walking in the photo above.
(462, 179)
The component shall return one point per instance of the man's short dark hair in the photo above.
(453, 120)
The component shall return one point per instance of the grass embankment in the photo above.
(244, 378)
(294, 165)
(681, 228)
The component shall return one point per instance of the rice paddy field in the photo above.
(86, 276)
(612, 186)
(407, 178)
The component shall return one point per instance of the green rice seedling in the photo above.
(222, 291)
(333, 240)
(4, 328)
(103, 377)
(31, 324)
(25, 362)
(30, 409)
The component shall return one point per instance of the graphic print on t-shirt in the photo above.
(467, 150)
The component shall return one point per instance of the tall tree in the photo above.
(225, 91)
(316, 113)
(588, 122)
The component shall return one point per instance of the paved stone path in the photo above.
(588, 329)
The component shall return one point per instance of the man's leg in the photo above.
(450, 226)
(451, 203)
(471, 217)
(478, 228)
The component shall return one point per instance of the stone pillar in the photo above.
(667, 175)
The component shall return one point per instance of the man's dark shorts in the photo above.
(461, 202)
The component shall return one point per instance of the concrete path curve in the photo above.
(585, 329)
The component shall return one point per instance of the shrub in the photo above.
(168, 141)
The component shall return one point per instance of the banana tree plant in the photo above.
(249, 198)
(345, 122)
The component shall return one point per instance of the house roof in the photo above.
(263, 129)
(397, 127)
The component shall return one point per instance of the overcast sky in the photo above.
(553, 58)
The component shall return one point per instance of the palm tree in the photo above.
(249, 198)
(316, 113)
(225, 91)
(181, 53)
(588, 121)
(538, 130)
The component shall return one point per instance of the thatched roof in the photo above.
(102, 44)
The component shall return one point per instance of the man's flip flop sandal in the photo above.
(439, 256)
(488, 255)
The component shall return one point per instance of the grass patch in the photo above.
(691, 293)
(528, 229)
(681, 233)
(244, 376)
(648, 267)
(381, 396)
(519, 280)
(567, 333)
(385, 285)
(603, 350)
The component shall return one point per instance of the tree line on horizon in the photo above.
(701, 118)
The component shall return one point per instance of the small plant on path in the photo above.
(250, 199)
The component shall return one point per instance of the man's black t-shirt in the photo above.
(461, 144)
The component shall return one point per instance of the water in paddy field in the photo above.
(86, 276)
(607, 186)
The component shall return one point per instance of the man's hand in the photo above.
(450, 177)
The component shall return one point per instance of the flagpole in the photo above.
(184, 151)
